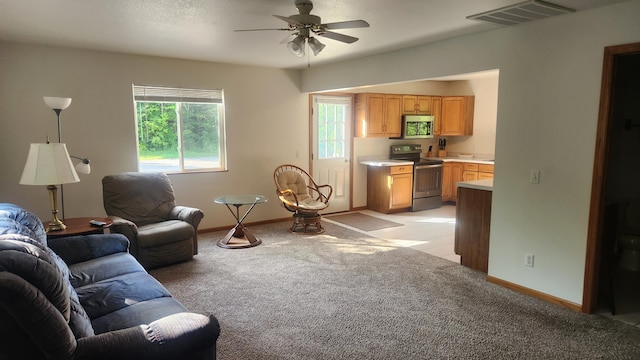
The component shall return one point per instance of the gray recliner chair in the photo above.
(142, 207)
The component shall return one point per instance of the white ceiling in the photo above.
(204, 29)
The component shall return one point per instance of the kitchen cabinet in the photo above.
(469, 171)
(436, 104)
(378, 115)
(473, 225)
(389, 188)
(456, 115)
(452, 173)
(417, 104)
(476, 171)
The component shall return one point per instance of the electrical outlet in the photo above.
(528, 260)
(534, 177)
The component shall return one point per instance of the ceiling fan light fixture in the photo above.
(316, 46)
(296, 46)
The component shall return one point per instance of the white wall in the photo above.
(265, 112)
(549, 91)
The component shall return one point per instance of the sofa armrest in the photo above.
(178, 336)
(79, 248)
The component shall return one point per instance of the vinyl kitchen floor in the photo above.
(432, 231)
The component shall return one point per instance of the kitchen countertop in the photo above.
(385, 162)
(486, 184)
(468, 160)
(378, 161)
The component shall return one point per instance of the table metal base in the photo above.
(239, 238)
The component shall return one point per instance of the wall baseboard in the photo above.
(537, 294)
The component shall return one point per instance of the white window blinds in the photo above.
(164, 94)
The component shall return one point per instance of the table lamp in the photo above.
(49, 164)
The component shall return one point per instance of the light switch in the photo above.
(534, 177)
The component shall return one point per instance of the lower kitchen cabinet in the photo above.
(452, 173)
(389, 188)
(462, 171)
(473, 225)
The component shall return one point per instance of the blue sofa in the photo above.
(86, 297)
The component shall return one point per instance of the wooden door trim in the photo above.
(598, 184)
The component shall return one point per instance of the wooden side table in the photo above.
(80, 226)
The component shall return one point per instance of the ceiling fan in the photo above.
(304, 25)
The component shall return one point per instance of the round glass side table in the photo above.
(230, 241)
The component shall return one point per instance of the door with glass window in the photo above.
(331, 152)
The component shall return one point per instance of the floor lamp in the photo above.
(57, 104)
(49, 164)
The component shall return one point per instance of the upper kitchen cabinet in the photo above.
(378, 115)
(436, 104)
(456, 116)
(417, 104)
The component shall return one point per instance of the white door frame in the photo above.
(339, 171)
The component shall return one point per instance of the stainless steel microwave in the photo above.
(417, 126)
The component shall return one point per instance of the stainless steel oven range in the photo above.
(427, 176)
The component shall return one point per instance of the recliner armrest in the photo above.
(191, 215)
(188, 214)
(178, 336)
(79, 248)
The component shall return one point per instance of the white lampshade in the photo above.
(296, 46)
(48, 164)
(316, 46)
(57, 102)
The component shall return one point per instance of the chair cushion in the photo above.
(311, 204)
(294, 181)
(143, 198)
(163, 233)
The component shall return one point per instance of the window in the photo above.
(332, 117)
(179, 130)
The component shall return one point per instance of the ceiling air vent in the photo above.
(521, 12)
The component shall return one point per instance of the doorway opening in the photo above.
(615, 185)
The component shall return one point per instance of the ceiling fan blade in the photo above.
(288, 20)
(346, 24)
(340, 37)
(285, 29)
(287, 38)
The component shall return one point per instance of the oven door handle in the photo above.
(427, 166)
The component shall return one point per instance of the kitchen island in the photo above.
(473, 223)
(389, 185)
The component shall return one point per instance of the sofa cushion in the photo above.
(78, 320)
(25, 218)
(106, 267)
(36, 267)
(21, 225)
(140, 313)
(109, 295)
(42, 328)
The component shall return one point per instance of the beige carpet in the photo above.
(362, 221)
(346, 295)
